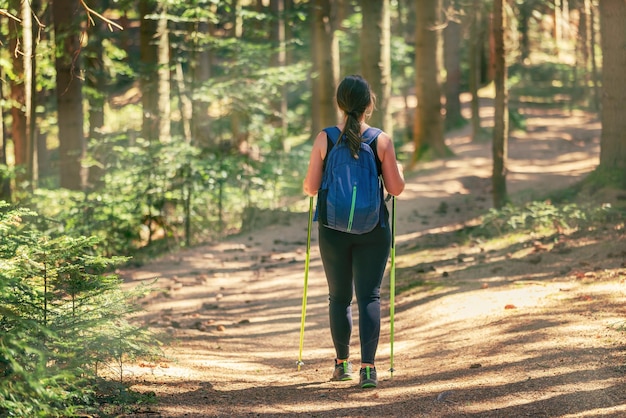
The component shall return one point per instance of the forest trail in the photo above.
(498, 333)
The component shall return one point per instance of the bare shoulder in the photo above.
(384, 143)
(321, 144)
(321, 136)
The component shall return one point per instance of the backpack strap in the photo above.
(370, 135)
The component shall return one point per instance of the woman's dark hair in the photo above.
(354, 98)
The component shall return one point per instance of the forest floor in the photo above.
(526, 325)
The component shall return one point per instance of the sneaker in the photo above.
(343, 371)
(368, 377)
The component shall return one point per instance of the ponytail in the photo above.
(354, 98)
(352, 133)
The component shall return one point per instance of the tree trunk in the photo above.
(69, 92)
(95, 80)
(613, 41)
(238, 118)
(475, 55)
(500, 129)
(289, 32)
(236, 19)
(164, 88)
(30, 89)
(407, 17)
(184, 102)
(201, 62)
(18, 98)
(325, 74)
(376, 58)
(428, 126)
(5, 183)
(594, 63)
(452, 55)
(525, 10)
(557, 29)
(148, 70)
(279, 60)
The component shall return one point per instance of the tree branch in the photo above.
(4, 12)
(90, 12)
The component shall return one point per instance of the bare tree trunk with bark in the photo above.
(501, 117)
(475, 54)
(613, 34)
(280, 60)
(452, 62)
(18, 98)
(376, 58)
(325, 75)
(69, 93)
(5, 183)
(96, 95)
(428, 135)
(164, 89)
(148, 70)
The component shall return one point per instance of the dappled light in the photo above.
(516, 323)
(159, 165)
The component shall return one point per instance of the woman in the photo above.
(352, 260)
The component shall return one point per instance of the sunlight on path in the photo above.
(474, 341)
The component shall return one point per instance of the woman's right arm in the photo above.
(313, 178)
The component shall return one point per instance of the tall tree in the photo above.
(613, 40)
(148, 69)
(452, 62)
(95, 82)
(475, 59)
(501, 116)
(18, 95)
(30, 88)
(428, 135)
(201, 60)
(376, 58)
(163, 59)
(65, 14)
(325, 74)
(557, 29)
(594, 63)
(405, 28)
(237, 115)
(524, 13)
(279, 59)
(5, 185)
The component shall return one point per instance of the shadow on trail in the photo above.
(473, 392)
(531, 261)
(446, 366)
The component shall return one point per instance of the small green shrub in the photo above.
(535, 216)
(63, 314)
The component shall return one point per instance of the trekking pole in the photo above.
(306, 281)
(392, 280)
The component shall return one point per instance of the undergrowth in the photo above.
(63, 321)
(536, 216)
(426, 259)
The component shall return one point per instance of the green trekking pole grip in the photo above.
(392, 281)
(306, 281)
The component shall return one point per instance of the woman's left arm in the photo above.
(393, 175)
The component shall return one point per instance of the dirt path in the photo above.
(511, 330)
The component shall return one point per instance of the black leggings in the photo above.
(358, 260)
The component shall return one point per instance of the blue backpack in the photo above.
(351, 194)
